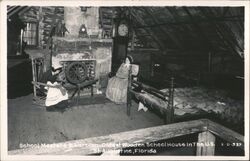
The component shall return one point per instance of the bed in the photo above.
(181, 104)
(151, 97)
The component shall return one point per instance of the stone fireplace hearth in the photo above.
(94, 53)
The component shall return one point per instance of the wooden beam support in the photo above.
(119, 140)
(205, 144)
(224, 38)
(239, 22)
(129, 97)
(235, 18)
(34, 78)
(169, 115)
(17, 9)
(168, 34)
(175, 16)
(142, 22)
(24, 10)
(138, 137)
(11, 8)
(203, 36)
(225, 11)
(228, 135)
(101, 15)
(239, 25)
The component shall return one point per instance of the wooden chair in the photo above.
(40, 99)
(39, 96)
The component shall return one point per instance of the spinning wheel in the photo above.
(76, 72)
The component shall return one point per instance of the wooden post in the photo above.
(21, 43)
(40, 69)
(205, 144)
(128, 90)
(78, 94)
(169, 115)
(34, 75)
(92, 90)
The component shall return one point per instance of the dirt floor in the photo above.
(30, 123)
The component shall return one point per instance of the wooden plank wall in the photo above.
(45, 17)
(144, 60)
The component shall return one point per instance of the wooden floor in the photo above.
(32, 124)
(29, 123)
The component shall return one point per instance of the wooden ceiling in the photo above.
(13, 10)
(188, 28)
(177, 29)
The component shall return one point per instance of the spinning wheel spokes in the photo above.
(76, 72)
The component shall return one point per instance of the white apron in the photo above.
(54, 95)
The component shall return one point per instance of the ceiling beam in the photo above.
(24, 10)
(101, 16)
(168, 34)
(225, 11)
(175, 16)
(142, 22)
(11, 8)
(224, 37)
(173, 13)
(16, 10)
(203, 36)
(238, 27)
(236, 18)
(232, 39)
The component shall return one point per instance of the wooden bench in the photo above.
(77, 88)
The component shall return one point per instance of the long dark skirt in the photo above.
(60, 107)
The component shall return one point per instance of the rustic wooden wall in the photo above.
(144, 59)
(45, 17)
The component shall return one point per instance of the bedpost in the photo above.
(169, 114)
(34, 79)
(128, 90)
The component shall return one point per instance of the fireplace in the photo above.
(92, 57)
(91, 53)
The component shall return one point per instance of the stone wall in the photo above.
(80, 49)
(74, 18)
